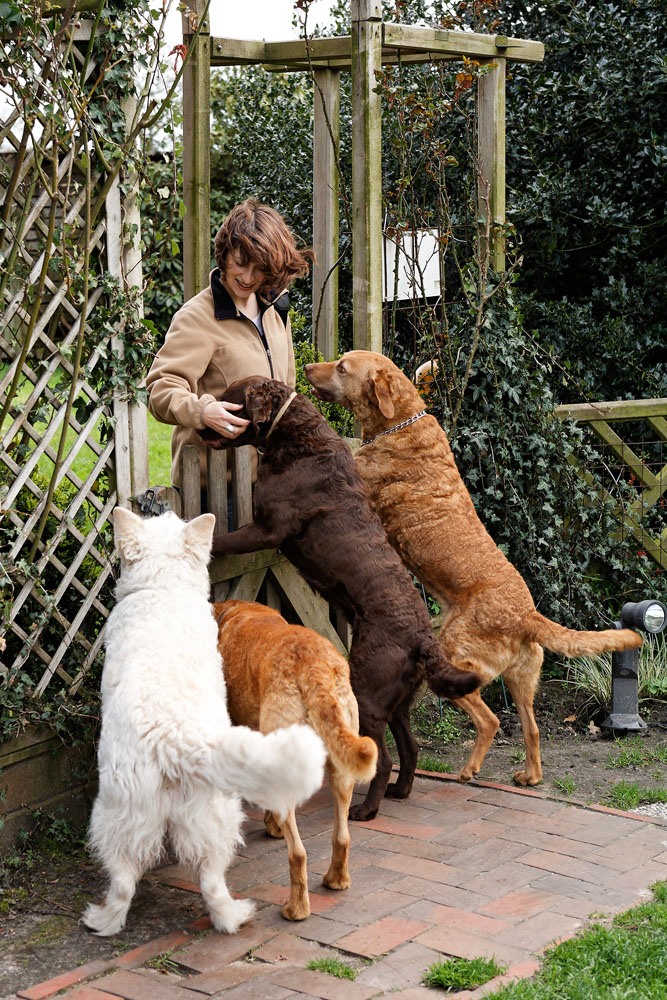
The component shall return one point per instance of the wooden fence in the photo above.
(631, 472)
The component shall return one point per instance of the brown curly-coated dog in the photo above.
(310, 500)
(490, 622)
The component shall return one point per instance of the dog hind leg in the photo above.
(338, 876)
(522, 683)
(297, 906)
(368, 808)
(407, 752)
(486, 724)
(109, 918)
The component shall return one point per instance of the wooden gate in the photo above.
(267, 575)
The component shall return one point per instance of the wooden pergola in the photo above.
(372, 44)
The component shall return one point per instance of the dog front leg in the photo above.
(250, 538)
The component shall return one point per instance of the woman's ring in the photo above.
(230, 428)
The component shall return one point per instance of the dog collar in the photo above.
(280, 414)
(398, 427)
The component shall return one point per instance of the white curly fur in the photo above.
(170, 763)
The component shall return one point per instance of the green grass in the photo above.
(159, 452)
(565, 785)
(591, 675)
(462, 973)
(629, 795)
(159, 444)
(635, 752)
(626, 960)
(427, 763)
(333, 966)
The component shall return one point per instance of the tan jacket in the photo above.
(209, 345)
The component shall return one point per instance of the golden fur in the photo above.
(277, 674)
(490, 622)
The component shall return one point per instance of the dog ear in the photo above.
(127, 528)
(198, 536)
(259, 405)
(381, 394)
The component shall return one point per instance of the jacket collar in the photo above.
(223, 304)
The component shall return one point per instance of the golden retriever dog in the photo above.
(277, 674)
(490, 623)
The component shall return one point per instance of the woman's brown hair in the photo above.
(258, 233)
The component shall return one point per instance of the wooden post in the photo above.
(366, 175)
(196, 150)
(491, 157)
(325, 211)
(124, 262)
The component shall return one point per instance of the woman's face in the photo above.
(242, 280)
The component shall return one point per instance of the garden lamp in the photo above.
(647, 616)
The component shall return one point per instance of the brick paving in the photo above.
(475, 870)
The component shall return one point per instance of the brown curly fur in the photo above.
(490, 622)
(310, 500)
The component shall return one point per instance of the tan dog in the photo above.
(277, 674)
(490, 622)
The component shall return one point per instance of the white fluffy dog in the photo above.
(169, 760)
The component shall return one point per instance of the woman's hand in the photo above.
(221, 418)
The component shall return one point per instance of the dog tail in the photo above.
(443, 678)
(276, 771)
(570, 642)
(355, 754)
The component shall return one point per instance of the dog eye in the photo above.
(341, 368)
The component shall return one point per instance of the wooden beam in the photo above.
(491, 159)
(236, 52)
(320, 49)
(416, 44)
(624, 409)
(390, 57)
(230, 567)
(196, 153)
(326, 129)
(461, 43)
(313, 610)
(366, 175)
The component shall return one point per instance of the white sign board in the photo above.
(418, 265)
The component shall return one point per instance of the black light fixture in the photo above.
(647, 616)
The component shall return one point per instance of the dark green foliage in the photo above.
(587, 187)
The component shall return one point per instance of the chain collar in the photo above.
(398, 427)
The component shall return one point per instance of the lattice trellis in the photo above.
(62, 470)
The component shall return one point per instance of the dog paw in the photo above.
(361, 813)
(102, 921)
(228, 918)
(337, 880)
(395, 791)
(298, 910)
(523, 779)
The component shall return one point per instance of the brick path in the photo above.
(474, 870)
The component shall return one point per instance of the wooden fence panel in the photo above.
(632, 471)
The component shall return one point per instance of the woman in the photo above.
(235, 327)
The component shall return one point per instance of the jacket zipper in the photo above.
(265, 344)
